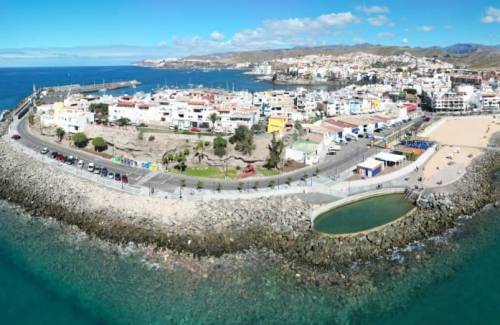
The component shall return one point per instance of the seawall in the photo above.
(218, 227)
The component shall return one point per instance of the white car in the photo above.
(80, 164)
(44, 151)
(91, 167)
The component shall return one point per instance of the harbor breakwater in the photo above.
(218, 227)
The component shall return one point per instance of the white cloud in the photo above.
(307, 25)
(162, 44)
(405, 41)
(369, 10)
(216, 36)
(492, 15)
(380, 20)
(386, 35)
(425, 28)
(275, 33)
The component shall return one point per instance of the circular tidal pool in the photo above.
(363, 215)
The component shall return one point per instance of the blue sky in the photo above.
(94, 32)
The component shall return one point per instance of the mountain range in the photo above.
(469, 55)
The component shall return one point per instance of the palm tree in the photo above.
(60, 133)
(200, 147)
(213, 118)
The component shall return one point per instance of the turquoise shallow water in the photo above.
(364, 214)
(50, 275)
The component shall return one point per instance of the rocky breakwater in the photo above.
(217, 227)
(212, 228)
(283, 225)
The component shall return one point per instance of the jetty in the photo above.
(95, 87)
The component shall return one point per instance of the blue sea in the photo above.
(17, 83)
(54, 274)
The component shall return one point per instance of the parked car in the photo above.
(104, 172)
(118, 177)
(80, 164)
(91, 167)
(97, 170)
(69, 160)
(125, 179)
(44, 151)
(16, 136)
(60, 157)
(111, 175)
(53, 155)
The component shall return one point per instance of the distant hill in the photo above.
(467, 55)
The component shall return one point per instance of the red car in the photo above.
(124, 179)
(16, 136)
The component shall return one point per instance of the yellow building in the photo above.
(376, 103)
(276, 124)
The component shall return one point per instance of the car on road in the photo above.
(15, 137)
(70, 160)
(80, 164)
(44, 151)
(91, 167)
(125, 179)
(104, 172)
(118, 177)
(111, 175)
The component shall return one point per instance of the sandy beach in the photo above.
(461, 139)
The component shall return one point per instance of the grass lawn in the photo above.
(267, 172)
(208, 172)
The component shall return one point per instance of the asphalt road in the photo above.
(350, 155)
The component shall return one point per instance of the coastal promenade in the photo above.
(331, 167)
(326, 186)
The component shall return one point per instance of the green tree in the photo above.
(60, 133)
(246, 147)
(99, 144)
(241, 133)
(220, 145)
(80, 139)
(275, 150)
(167, 158)
(100, 110)
(298, 126)
(243, 140)
(123, 121)
(180, 158)
(213, 118)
